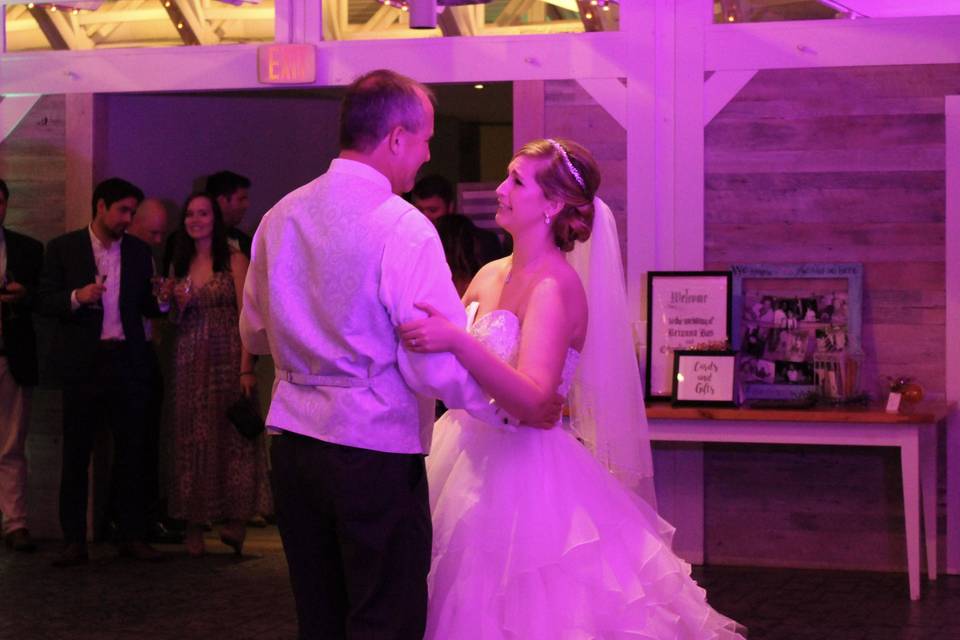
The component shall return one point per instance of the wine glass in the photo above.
(185, 286)
(99, 278)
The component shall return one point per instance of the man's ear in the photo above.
(394, 138)
(222, 202)
(101, 208)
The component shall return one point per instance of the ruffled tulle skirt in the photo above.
(534, 540)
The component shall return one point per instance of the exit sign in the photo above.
(286, 64)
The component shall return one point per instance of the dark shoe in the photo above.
(158, 533)
(193, 540)
(74, 554)
(139, 551)
(257, 521)
(20, 540)
(233, 534)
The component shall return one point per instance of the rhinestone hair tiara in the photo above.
(566, 160)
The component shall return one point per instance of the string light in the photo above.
(31, 6)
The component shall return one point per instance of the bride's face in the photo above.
(520, 200)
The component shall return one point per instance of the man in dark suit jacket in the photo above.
(21, 259)
(232, 193)
(96, 282)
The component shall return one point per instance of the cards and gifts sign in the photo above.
(704, 377)
(685, 310)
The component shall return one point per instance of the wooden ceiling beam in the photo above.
(60, 28)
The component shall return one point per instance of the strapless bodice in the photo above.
(499, 330)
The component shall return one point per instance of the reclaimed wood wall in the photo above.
(818, 165)
(832, 165)
(843, 165)
(33, 164)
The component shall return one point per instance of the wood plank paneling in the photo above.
(32, 162)
(571, 113)
(843, 165)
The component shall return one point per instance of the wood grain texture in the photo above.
(832, 165)
(32, 162)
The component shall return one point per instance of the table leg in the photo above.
(909, 464)
(953, 492)
(928, 494)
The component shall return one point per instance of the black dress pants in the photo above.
(356, 531)
(113, 395)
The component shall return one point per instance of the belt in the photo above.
(313, 380)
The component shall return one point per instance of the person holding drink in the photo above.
(217, 473)
(103, 361)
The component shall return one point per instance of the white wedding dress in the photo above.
(535, 540)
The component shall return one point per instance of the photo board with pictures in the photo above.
(685, 310)
(796, 328)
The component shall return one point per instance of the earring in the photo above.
(546, 219)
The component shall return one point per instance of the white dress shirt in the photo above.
(107, 260)
(337, 265)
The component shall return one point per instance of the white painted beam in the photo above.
(688, 189)
(609, 93)
(13, 109)
(487, 59)
(833, 43)
(721, 88)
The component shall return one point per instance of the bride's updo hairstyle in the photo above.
(570, 175)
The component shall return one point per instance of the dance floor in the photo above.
(220, 596)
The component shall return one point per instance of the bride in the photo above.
(533, 538)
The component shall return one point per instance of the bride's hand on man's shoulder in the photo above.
(432, 334)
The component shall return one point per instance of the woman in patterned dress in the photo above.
(217, 473)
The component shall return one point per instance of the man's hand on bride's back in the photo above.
(432, 334)
(548, 414)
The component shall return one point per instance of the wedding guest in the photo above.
(150, 225)
(103, 360)
(21, 258)
(217, 473)
(466, 246)
(232, 194)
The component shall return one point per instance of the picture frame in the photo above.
(705, 378)
(796, 330)
(685, 310)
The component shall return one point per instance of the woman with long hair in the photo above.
(218, 475)
(541, 533)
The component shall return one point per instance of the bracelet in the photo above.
(247, 373)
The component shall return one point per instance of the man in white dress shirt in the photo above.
(96, 283)
(337, 265)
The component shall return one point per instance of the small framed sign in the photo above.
(704, 378)
(685, 310)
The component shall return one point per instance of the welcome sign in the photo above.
(685, 310)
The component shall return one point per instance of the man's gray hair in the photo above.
(376, 103)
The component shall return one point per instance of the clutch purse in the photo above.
(245, 416)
